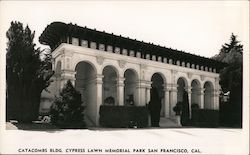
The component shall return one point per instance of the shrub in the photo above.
(228, 116)
(67, 109)
(205, 118)
(195, 106)
(109, 101)
(123, 116)
(178, 108)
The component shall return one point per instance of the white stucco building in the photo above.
(101, 65)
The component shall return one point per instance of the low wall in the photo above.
(123, 116)
(205, 118)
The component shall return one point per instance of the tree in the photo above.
(67, 109)
(27, 75)
(231, 77)
(185, 110)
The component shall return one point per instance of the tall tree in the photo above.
(231, 77)
(27, 74)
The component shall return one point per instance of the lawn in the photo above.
(35, 126)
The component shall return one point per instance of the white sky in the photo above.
(196, 27)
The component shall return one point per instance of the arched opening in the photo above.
(183, 98)
(109, 86)
(84, 83)
(156, 105)
(158, 82)
(195, 95)
(130, 93)
(180, 89)
(208, 95)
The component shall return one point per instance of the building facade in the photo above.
(102, 65)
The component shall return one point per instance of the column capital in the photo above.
(120, 81)
(172, 87)
(148, 84)
(67, 71)
(99, 76)
(142, 81)
(173, 90)
(141, 84)
(98, 79)
(166, 87)
(188, 89)
(202, 91)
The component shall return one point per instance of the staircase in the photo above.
(169, 123)
(89, 122)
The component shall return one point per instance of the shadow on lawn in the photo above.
(47, 127)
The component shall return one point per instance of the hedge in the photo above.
(205, 118)
(123, 116)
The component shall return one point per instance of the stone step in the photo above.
(168, 122)
(89, 122)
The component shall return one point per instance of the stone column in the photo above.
(202, 98)
(141, 88)
(166, 101)
(217, 94)
(99, 83)
(216, 101)
(148, 88)
(173, 99)
(120, 89)
(189, 91)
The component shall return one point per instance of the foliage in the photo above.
(123, 116)
(195, 106)
(231, 76)
(177, 108)
(27, 75)
(185, 109)
(67, 109)
(109, 101)
(205, 118)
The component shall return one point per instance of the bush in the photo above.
(205, 118)
(229, 117)
(123, 116)
(195, 106)
(67, 109)
(178, 108)
(109, 101)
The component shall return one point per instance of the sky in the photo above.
(197, 27)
